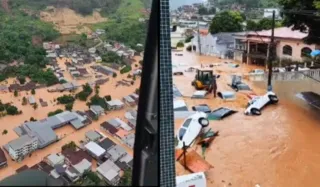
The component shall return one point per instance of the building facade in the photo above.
(252, 47)
(21, 147)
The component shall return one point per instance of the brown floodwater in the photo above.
(67, 132)
(277, 149)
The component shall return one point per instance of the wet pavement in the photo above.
(277, 149)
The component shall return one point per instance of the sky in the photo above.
(174, 4)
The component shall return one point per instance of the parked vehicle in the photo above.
(256, 72)
(191, 128)
(256, 104)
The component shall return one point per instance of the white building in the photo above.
(21, 147)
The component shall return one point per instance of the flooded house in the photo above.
(129, 100)
(3, 159)
(43, 130)
(125, 162)
(21, 147)
(106, 126)
(129, 140)
(32, 100)
(121, 133)
(93, 136)
(55, 159)
(110, 172)
(115, 104)
(115, 153)
(95, 150)
(107, 144)
(135, 97)
(97, 110)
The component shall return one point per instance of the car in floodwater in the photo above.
(191, 128)
(256, 104)
(256, 72)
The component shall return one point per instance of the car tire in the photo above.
(255, 111)
(273, 99)
(203, 122)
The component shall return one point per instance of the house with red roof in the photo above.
(252, 47)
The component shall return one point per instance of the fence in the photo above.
(288, 76)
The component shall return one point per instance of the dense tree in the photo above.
(65, 99)
(180, 44)
(97, 100)
(71, 145)
(126, 179)
(227, 21)
(84, 94)
(263, 24)
(24, 101)
(126, 69)
(69, 106)
(118, 31)
(114, 75)
(4, 132)
(108, 97)
(32, 119)
(302, 21)
(205, 11)
(33, 91)
(112, 57)
(15, 93)
(12, 110)
(21, 79)
(55, 112)
(35, 106)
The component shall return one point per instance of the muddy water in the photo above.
(67, 132)
(277, 149)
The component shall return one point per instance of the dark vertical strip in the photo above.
(167, 161)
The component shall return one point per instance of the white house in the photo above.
(219, 44)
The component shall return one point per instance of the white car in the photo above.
(257, 103)
(256, 72)
(177, 71)
(190, 128)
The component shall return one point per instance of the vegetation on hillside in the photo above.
(247, 3)
(128, 31)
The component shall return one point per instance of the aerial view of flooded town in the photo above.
(231, 129)
(70, 78)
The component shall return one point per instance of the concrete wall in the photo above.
(296, 49)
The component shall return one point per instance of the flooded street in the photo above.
(277, 149)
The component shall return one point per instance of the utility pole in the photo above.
(271, 56)
(199, 43)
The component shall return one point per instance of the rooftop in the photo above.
(93, 135)
(123, 124)
(109, 170)
(282, 32)
(116, 152)
(109, 127)
(107, 144)
(76, 157)
(122, 133)
(128, 99)
(55, 158)
(95, 149)
(115, 102)
(21, 142)
(83, 166)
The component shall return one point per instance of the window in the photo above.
(187, 123)
(287, 50)
(305, 52)
(182, 131)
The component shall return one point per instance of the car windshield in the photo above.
(187, 123)
(182, 131)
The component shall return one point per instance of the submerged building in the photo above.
(41, 133)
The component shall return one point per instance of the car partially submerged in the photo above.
(256, 104)
(237, 84)
(227, 95)
(202, 108)
(220, 113)
(191, 128)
